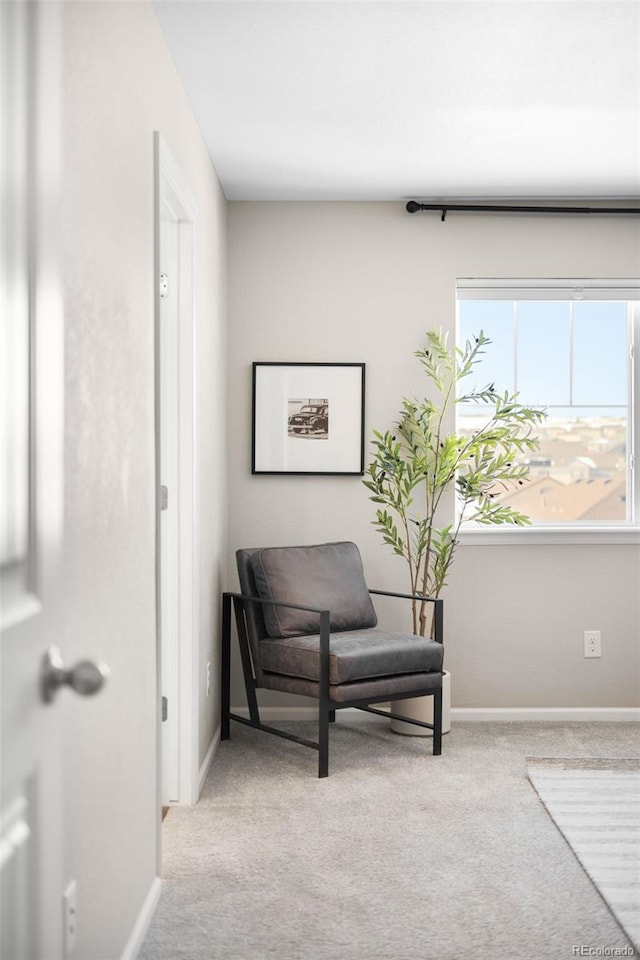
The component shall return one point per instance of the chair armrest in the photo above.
(405, 596)
(274, 603)
(325, 629)
(438, 613)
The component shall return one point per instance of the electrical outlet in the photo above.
(592, 643)
(70, 899)
(208, 678)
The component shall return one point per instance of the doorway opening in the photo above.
(175, 510)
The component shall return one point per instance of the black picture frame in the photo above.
(308, 418)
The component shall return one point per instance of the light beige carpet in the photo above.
(398, 855)
(595, 805)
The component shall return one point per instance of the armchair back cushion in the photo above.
(328, 576)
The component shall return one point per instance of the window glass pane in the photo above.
(571, 358)
(543, 352)
(579, 474)
(600, 353)
(495, 319)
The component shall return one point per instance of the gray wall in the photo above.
(120, 86)
(362, 282)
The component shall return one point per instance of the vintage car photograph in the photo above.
(310, 419)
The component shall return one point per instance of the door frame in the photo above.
(172, 188)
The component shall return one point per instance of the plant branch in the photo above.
(421, 456)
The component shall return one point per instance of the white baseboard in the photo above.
(472, 714)
(208, 760)
(141, 925)
(547, 714)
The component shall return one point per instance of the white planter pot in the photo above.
(421, 708)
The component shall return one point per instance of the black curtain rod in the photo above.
(413, 207)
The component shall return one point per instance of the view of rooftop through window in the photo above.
(572, 358)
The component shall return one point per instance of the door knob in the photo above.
(86, 677)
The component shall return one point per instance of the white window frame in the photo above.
(568, 289)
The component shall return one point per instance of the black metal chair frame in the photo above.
(326, 707)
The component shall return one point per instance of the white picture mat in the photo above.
(276, 451)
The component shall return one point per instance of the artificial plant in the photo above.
(418, 463)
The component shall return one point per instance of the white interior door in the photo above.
(170, 506)
(31, 477)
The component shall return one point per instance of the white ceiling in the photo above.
(359, 100)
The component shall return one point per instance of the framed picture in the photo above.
(308, 418)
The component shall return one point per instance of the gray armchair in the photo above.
(306, 625)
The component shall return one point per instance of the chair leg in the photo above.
(225, 668)
(332, 716)
(323, 739)
(247, 671)
(437, 722)
(324, 705)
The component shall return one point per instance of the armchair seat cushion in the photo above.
(353, 655)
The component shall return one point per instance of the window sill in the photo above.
(486, 536)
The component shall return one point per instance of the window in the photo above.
(566, 346)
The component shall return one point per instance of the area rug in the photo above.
(595, 804)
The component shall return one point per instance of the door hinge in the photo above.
(164, 498)
(164, 286)
(165, 709)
